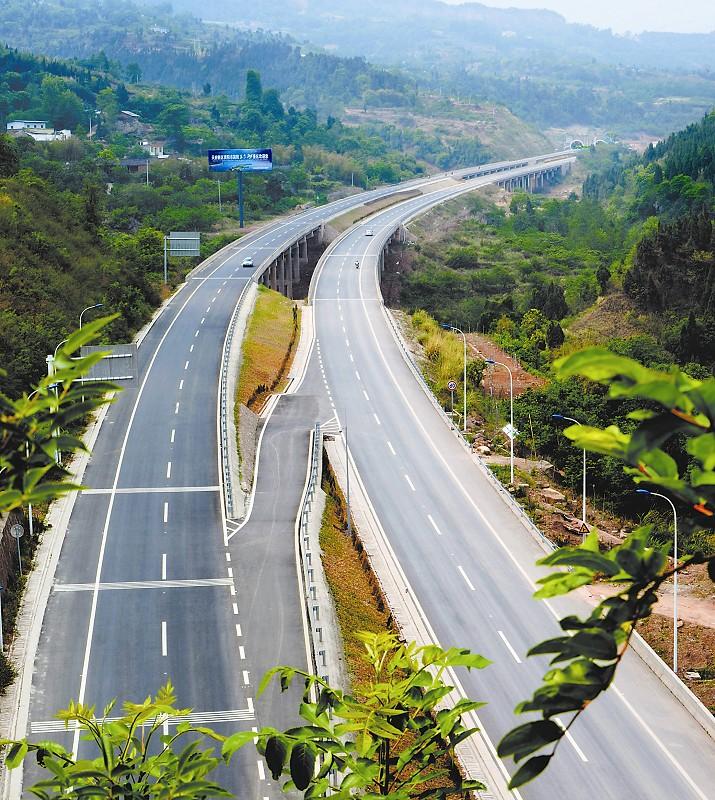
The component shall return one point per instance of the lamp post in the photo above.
(89, 308)
(220, 207)
(511, 411)
(51, 371)
(583, 493)
(675, 576)
(464, 376)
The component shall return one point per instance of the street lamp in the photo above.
(511, 410)
(583, 493)
(464, 377)
(675, 575)
(89, 308)
(51, 371)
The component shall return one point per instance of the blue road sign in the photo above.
(260, 160)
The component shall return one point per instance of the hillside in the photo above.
(630, 265)
(536, 65)
(179, 51)
(548, 71)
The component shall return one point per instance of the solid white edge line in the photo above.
(679, 768)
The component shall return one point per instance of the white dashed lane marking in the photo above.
(468, 582)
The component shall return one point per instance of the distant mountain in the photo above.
(568, 80)
(178, 50)
(545, 70)
(428, 31)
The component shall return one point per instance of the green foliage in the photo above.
(585, 659)
(133, 758)
(34, 427)
(394, 740)
(678, 406)
(544, 256)
(9, 157)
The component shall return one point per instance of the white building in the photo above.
(27, 124)
(48, 134)
(155, 148)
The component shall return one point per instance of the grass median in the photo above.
(268, 348)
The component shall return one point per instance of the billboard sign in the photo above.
(260, 160)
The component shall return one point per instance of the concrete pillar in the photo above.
(273, 276)
(303, 250)
(295, 275)
(281, 274)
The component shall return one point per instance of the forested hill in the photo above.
(180, 51)
(78, 227)
(544, 69)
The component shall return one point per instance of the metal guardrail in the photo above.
(524, 518)
(224, 406)
(309, 548)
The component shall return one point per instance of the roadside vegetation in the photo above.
(358, 603)
(268, 348)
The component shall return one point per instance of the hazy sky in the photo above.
(684, 16)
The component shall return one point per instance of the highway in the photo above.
(146, 587)
(469, 561)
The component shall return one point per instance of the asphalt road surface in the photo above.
(146, 589)
(469, 560)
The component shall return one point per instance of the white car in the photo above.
(369, 232)
(247, 262)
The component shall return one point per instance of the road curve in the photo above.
(468, 559)
(145, 588)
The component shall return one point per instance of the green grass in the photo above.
(268, 348)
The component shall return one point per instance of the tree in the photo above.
(586, 658)
(174, 117)
(133, 72)
(254, 90)
(92, 206)
(9, 157)
(393, 740)
(32, 427)
(134, 759)
(61, 105)
(603, 276)
(549, 298)
(206, 89)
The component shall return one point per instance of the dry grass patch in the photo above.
(268, 348)
(357, 605)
